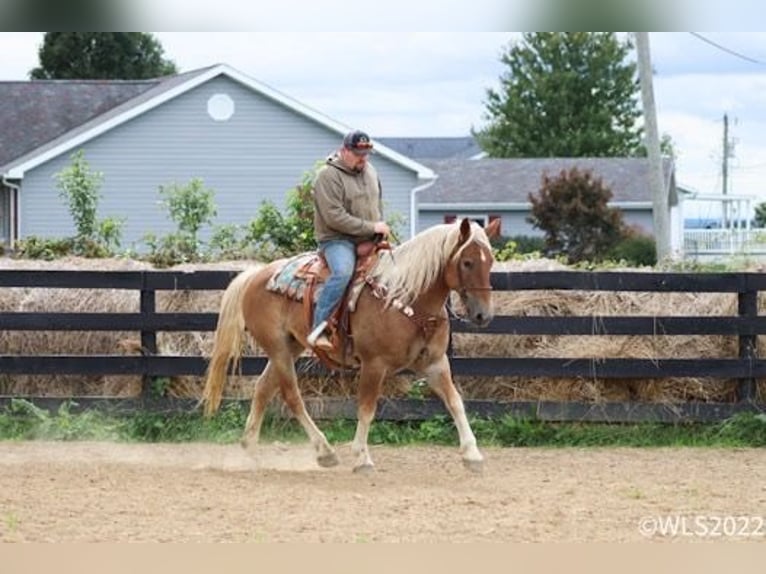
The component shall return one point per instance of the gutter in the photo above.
(413, 204)
(13, 207)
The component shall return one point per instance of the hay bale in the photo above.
(525, 303)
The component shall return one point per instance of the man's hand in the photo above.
(382, 228)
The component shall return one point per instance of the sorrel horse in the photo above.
(407, 328)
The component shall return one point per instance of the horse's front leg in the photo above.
(439, 377)
(371, 378)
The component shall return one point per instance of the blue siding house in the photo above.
(246, 141)
(469, 184)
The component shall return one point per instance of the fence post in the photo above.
(747, 306)
(148, 338)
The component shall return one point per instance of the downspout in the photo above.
(413, 205)
(13, 208)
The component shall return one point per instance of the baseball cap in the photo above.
(358, 142)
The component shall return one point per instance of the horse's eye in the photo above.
(467, 263)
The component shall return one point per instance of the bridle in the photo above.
(463, 290)
(426, 322)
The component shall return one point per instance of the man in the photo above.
(347, 211)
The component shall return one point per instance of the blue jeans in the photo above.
(341, 259)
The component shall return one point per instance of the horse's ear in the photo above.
(493, 229)
(465, 230)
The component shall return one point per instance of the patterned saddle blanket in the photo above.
(298, 273)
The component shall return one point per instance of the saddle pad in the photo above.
(291, 279)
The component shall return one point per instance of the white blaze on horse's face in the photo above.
(473, 264)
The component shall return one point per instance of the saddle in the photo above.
(301, 279)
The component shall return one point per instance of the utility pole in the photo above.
(725, 166)
(660, 200)
(725, 171)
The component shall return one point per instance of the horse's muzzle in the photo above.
(478, 312)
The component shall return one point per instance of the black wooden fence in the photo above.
(746, 325)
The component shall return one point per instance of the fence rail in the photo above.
(747, 367)
(725, 241)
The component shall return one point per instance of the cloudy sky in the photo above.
(434, 84)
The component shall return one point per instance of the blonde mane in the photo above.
(417, 263)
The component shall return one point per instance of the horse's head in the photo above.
(468, 270)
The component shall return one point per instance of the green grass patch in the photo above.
(24, 421)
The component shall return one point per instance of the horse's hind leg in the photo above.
(439, 376)
(266, 387)
(288, 385)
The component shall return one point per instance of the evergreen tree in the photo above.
(565, 94)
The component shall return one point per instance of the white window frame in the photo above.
(484, 217)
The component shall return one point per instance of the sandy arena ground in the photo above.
(67, 492)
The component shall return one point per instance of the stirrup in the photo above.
(323, 343)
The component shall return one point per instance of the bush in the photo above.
(190, 207)
(34, 247)
(638, 250)
(79, 187)
(573, 212)
(272, 234)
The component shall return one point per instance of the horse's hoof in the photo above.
(366, 468)
(328, 460)
(475, 466)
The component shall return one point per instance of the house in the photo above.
(435, 148)
(246, 141)
(470, 184)
(488, 188)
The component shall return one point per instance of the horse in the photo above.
(400, 323)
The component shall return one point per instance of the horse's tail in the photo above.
(229, 340)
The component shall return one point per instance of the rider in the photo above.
(347, 211)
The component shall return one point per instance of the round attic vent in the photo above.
(220, 107)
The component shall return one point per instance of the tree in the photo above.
(101, 56)
(760, 215)
(565, 94)
(572, 209)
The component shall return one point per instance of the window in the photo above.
(480, 218)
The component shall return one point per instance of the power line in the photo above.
(727, 50)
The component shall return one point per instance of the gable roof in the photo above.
(33, 113)
(57, 137)
(510, 181)
(436, 148)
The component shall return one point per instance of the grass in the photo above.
(24, 421)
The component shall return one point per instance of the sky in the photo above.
(435, 84)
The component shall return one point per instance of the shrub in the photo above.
(639, 250)
(572, 210)
(33, 247)
(190, 206)
(79, 187)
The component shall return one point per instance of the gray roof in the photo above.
(491, 180)
(433, 148)
(37, 112)
(57, 115)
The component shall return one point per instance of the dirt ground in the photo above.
(81, 491)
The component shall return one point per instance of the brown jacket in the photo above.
(346, 203)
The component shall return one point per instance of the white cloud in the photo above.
(329, 15)
(434, 84)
